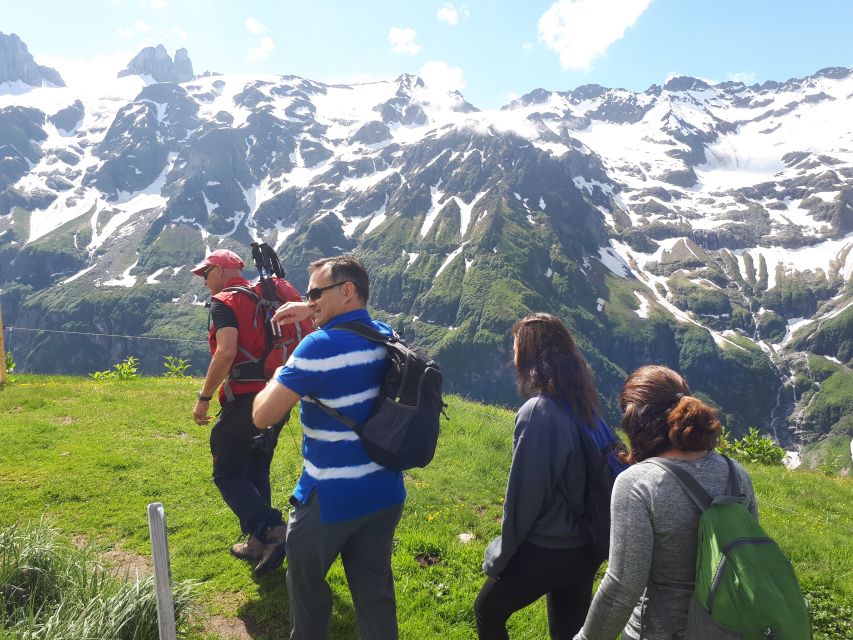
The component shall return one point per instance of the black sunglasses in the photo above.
(206, 272)
(314, 294)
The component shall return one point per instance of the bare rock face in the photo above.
(183, 65)
(68, 118)
(17, 64)
(157, 63)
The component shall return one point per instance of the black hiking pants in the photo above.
(242, 456)
(565, 576)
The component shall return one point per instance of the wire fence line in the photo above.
(11, 329)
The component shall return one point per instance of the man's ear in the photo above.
(349, 290)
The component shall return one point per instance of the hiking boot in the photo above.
(273, 551)
(250, 551)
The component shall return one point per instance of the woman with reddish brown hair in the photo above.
(654, 524)
(542, 550)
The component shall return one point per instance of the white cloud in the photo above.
(262, 51)
(440, 75)
(160, 4)
(441, 81)
(138, 27)
(527, 46)
(582, 30)
(183, 35)
(254, 26)
(451, 15)
(147, 41)
(403, 41)
(743, 76)
(356, 78)
(86, 73)
(263, 45)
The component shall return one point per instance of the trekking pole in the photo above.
(162, 572)
(266, 270)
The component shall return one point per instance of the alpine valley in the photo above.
(704, 226)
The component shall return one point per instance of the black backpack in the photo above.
(602, 467)
(402, 430)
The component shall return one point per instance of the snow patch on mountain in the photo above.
(643, 311)
(450, 258)
(124, 280)
(364, 183)
(377, 218)
(435, 208)
(611, 259)
(152, 279)
(79, 274)
(808, 258)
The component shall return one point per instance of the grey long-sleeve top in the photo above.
(545, 485)
(653, 531)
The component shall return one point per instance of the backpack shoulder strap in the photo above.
(337, 415)
(245, 290)
(733, 487)
(695, 491)
(365, 331)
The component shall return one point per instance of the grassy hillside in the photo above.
(91, 455)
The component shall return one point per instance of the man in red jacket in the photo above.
(241, 457)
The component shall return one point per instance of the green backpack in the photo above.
(745, 587)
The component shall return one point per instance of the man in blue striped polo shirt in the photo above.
(344, 503)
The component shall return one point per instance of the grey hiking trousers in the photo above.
(364, 545)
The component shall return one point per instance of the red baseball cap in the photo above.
(219, 258)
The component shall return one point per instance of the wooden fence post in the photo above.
(162, 571)
(2, 350)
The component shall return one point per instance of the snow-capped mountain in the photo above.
(705, 226)
(156, 63)
(17, 66)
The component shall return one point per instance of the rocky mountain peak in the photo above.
(833, 73)
(17, 64)
(407, 83)
(685, 83)
(157, 63)
(537, 96)
(588, 92)
(183, 64)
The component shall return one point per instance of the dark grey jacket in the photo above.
(545, 486)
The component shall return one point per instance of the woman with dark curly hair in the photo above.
(541, 549)
(653, 535)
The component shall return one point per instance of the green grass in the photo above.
(49, 588)
(91, 455)
(831, 454)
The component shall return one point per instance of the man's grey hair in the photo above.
(345, 269)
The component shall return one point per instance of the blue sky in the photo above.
(492, 50)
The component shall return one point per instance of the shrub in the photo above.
(49, 589)
(753, 447)
(124, 370)
(175, 367)
(10, 363)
